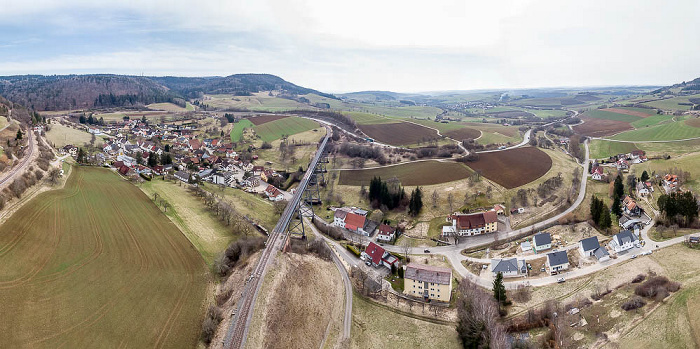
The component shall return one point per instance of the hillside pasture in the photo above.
(676, 103)
(60, 136)
(594, 127)
(607, 114)
(400, 133)
(603, 149)
(97, 264)
(640, 112)
(411, 174)
(652, 120)
(263, 119)
(269, 131)
(463, 133)
(514, 167)
(260, 101)
(238, 127)
(170, 107)
(368, 119)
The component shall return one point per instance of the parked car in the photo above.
(633, 256)
(560, 280)
(426, 251)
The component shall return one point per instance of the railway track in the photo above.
(25, 160)
(238, 329)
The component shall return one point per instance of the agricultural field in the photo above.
(151, 116)
(262, 119)
(257, 102)
(410, 174)
(673, 103)
(399, 112)
(495, 133)
(603, 149)
(686, 162)
(514, 167)
(652, 120)
(683, 129)
(398, 134)
(273, 130)
(302, 153)
(660, 148)
(75, 276)
(189, 214)
(368, 119)
(300, 304)
(593, 127)
(377, 326)
(238, 127)
(463, 133)
(60, 136)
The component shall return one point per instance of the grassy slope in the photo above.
(237, 131)
(602, 149)
(368, 119)
(258, 102)
(168, 107)
(273, 130)
(203, 230)
(672, 103)
(652, 120)
(606, 115)
(664, 132)
(61, 135)
(374, 326)
(97, 262)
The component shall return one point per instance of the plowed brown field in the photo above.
(400, 133)
(593, 127)
(514, 167)
(262, 119)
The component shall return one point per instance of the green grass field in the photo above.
(652, 121)
(410, 174)
(60, 136)
(270, 131)
(238, 127)
(368, 119)
(169, 107)
(258, 102)
(602, 149)
(664, 132)
(672, 103)
(96, 264)
(606, 115)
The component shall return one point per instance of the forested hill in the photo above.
(240, 84)
(19, 112)
(63, 92)
(692, 87)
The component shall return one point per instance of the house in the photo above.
(429, 282)
(588, 246)
(273, 193)
(630, 207)
(670, 183)
(557, 261)
(598, 174)
(644, 188)
(471, 224)
(623, 241)
(499, 209)
(622, 164)
(183, 176)
(542, 241)
(378, 256)
(526, 247)
(386, 233)
(195, 144)
(355, 223)
(509, 267)
(601, 254)
(70, 149)
(339, 217)
(124, 170)
(627, 223)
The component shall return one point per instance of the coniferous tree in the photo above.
(499, 289)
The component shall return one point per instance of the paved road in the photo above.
(238, 329)
(526, 139)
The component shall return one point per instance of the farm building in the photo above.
(273, 193)
(355, 220)
(471, 224)
(427, 281)
(182, 176)
(542, 241)
(509, 267)
(557, 261)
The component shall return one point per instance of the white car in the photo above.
(561, 280)
(633, 256)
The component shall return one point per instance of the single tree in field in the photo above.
(54, 174)
(645, 176)
(434, 198)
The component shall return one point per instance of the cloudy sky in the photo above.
(339, 46)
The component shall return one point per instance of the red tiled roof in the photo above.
(385, 229)
(375, 252)
(355, 221)
(476, 220)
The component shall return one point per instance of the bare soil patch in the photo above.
(463, 133)
(410, 174)
(262, 119)
(695, 122)
(593, 127)
(514, 167)
(628, 112)
(400, 133)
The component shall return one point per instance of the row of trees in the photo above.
(678, 208)
(389, 196)
(600, 213)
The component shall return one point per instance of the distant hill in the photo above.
(62, 92)
(240, 84)
(692, 86)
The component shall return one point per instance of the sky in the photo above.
(343, 46)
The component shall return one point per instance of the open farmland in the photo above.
(262, 119)
(401, 133)
(673, 103)
(170, 107)
(367, 119)
(260, 101)
(640, 112)
(601, 149)
(272, 130)
(665, 132)
(608, 114)
(238, 127)
(410, 174)
(514, 167)
(593, 127)
(96, 264)
(463, 133)
(60, 136)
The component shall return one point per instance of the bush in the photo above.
(353, 249)
(211, 322)
(658, 287)
(635, 302)
(235, 252)
(639, 278)
(331, 231)
(266, 145)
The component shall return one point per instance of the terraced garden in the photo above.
(96, 264)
